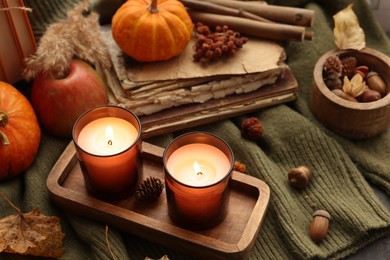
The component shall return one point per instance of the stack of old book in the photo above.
(179, 93)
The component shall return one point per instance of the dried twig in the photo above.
(108, 244)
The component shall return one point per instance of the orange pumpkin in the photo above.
(20, 134)
(152, 30)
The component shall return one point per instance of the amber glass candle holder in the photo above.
(198, 168)
(108, 145)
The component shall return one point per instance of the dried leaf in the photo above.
(347, 31)
(355, 86)
(31, 234)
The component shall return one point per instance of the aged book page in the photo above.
(255, 56)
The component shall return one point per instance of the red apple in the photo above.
(59, 102)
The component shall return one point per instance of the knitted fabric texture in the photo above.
(291, 137)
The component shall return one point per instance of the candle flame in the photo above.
(109, 135)
(197, 168)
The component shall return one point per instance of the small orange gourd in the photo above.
(20, 134)
(152, 30)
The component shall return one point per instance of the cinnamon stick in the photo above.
(273, 31)
(280, 14)
(210, 7)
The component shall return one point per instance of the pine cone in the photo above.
(333, 66)
(150, 189)
(349, 66)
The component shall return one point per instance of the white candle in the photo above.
(198, 165)
(107, 136)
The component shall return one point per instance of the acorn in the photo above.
(299, 177)
(370, 95)
(340, 93)
(375, 82)
(319, 225)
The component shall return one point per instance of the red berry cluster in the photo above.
(251, 128)
(211, 46)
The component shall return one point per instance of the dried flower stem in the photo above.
(6, 198)
(108, 244)
(78, 36)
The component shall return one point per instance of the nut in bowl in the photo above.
(353, 118)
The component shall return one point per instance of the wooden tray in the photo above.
(232, 239)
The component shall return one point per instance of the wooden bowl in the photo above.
(350, 119)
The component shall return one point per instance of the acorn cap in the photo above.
(370, 74)
(322, 213)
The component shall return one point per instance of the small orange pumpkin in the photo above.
(152, 30)
(20, 134)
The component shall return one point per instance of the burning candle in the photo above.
(198, 167)
(107, 136)
(198, 164)
(108, 140)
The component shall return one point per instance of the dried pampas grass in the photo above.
(78, 36)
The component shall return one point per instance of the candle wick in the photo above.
(109, 142)
(199, 173)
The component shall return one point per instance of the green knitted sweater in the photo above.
(292, 136)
